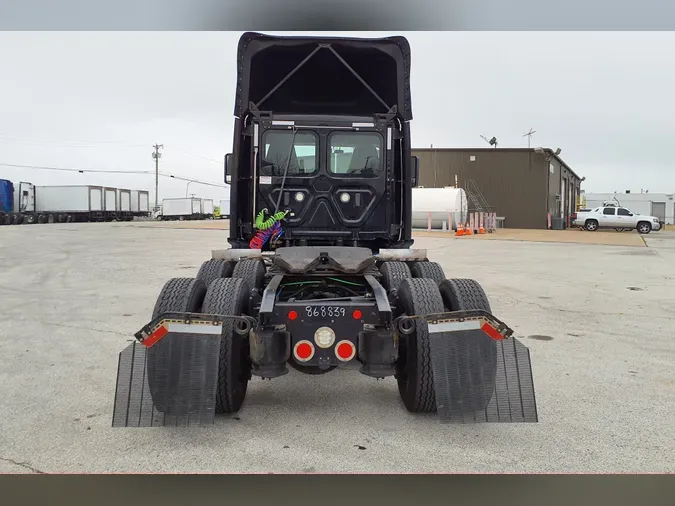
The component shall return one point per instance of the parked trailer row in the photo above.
(25, 203)
(190, 208)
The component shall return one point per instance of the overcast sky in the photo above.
(102, 99)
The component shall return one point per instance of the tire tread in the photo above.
(227, 296)
(393, 273)
(428, 270)
(422, 297)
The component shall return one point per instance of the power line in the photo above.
(182, 178)
(114, 171)
(94, 143)
(69, 143)
(197, 156)
(63, 169)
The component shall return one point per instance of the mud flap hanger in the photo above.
(457, 321)
(190, 323)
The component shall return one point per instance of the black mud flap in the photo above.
(169, 376)
(481, 372)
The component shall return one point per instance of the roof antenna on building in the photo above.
(491, 142)
(529, 137)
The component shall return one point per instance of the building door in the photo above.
(659, 211)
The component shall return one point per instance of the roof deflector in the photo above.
(319, 47)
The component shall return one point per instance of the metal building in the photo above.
(660, 205)
(521, 185)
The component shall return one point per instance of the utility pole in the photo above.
(157, 155)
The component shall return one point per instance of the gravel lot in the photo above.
(598, 321)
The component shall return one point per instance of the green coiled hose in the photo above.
(264, 224)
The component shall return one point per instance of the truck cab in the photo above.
(322, 133)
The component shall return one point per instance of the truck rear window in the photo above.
(356, 154)
(277, 148)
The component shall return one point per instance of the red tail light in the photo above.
(303, 351)
(345, 350)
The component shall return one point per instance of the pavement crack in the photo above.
(25, 465)
(582, 312)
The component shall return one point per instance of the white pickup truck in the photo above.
(615, 217)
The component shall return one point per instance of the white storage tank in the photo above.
(444, 204)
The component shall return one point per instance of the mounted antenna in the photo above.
(529, 137)
(491, 142)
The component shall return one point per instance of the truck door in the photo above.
(624, 218)
(608, 217)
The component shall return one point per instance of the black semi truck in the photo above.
(320, 272)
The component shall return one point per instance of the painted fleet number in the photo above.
(325, 311)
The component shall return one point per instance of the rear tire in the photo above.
(393, 273)
(414, 374)
(474, 357)
(251, 271)
(428, 270)
(229, 296)
(163, 363)
(214, 269)
(591, 225)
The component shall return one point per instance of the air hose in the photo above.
(263, 224)
(268, 229)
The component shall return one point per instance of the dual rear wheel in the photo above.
(217, 289)
(423, 289)
(419, 290)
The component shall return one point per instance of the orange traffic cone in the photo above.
(460, 230)
(481, 230)
(467, 230)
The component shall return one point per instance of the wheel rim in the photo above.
(591, 226)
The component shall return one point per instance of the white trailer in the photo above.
(181, 209)
(140, 202)
(207, 208)
(124, 205)
(68, 203)
(224, 206)
(110, 203)
(196, 206)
